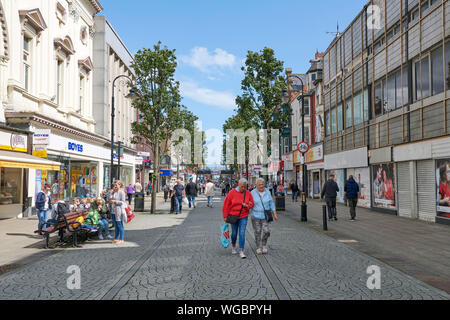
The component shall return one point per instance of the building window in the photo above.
(340, 119)
(60, 82)
(82, 93)
(333, 121)
(437, 72)
(348, 112)
(388, 98)
(27, 62)
(306, 106)
(422, 78)
(286, 145)
(327, 124)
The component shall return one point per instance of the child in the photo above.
(75, 205)
(88, 203)
(80, 225)
(83, 205)
(97, 216)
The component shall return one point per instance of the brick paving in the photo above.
(180, 257)
(415, 247)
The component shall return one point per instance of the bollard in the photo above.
(325, 225)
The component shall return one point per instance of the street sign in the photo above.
(303, 147)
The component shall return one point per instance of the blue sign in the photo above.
(165, 173)
(75, 147)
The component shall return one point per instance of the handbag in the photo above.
(232, 219)
(130, 214)
(267, 213)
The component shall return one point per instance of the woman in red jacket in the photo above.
(236, 205)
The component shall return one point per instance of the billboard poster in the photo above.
(383, 180)
(362, 178)
(443, 187)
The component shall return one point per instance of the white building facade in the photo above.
(47, 88)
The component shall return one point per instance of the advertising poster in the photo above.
(362, 178)
(339, 177)
(383, 180)
(443, 187)
(38, 182)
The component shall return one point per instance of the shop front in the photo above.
(84, 168)
(315, 166)
(344, 164)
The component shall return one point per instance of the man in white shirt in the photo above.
(138, 186)
(209, 192)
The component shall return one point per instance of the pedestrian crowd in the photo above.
(111, 205)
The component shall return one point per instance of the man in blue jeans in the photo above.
(179, 194)
(43, 206)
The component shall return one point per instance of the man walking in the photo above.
(191, 192)
(330, 190)
(179, 193)
(209, 192)
(295, 190)
(130, 192)
(351, 193)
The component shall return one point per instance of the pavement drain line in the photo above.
(135, 268)
(277, 286)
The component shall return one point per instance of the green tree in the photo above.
(262, 87)
(158, 103)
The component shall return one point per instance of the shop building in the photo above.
(113, 59)
(386, 95)
(15, 165)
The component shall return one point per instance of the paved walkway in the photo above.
(20, 246)
(418, 248)
(180, 257)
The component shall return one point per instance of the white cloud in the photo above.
(220, 99)
(201, 58)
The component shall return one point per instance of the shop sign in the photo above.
(143, 154)
(139, 160)
(41, 137)
(314, 154)
(40, 153)
(13, 141)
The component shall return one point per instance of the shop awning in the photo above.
(26, 161)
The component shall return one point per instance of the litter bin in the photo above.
(139, 202)
(280, 202)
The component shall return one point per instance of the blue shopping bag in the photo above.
(225, 238)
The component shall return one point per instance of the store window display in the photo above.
(10, 186)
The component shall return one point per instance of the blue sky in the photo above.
(212, 38)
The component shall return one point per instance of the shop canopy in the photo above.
(26, 161)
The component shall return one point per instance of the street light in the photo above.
(286, 99)
(131, 95)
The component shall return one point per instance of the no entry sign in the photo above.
(303, 147)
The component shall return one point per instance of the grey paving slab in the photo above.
(180, 257)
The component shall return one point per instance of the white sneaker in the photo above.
(242, 255)
(264, 250)
(233, 250)
(259, 251)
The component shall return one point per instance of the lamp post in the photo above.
(131, 94)
(286, 98)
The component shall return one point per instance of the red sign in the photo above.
(303, 147)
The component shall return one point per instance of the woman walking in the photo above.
(261, 227)
(118, 204)
(238, 203)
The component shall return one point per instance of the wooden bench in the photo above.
(63, 223)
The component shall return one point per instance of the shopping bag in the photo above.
(185, 201)
(130, 214)
(225, 238)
